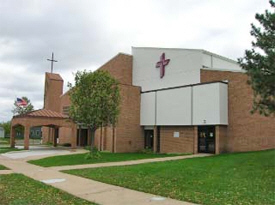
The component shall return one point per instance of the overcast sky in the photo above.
(86, 34)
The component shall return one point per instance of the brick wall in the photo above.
(53, 90)
(129, 133)
(64, 133)
(120, 67)
(221, 139)
(182, 144)
(245, 132)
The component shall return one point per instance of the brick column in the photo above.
(217, 139)
(12, 137)
(26, 137)
(155, 139)
(195, 141)
(74, 137)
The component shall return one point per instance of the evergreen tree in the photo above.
(259, 63)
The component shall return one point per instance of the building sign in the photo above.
(161, 64)
(176, 134)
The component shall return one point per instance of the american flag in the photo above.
(21, 102)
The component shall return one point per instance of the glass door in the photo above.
(206, 139)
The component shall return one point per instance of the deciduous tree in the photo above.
(94, 100)
(19, 110)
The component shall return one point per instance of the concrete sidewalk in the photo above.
(91, 190)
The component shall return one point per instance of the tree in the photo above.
(6, 126)
(259, 63)
(94, 100)
(19, 110)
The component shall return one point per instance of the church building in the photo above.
(172, 101)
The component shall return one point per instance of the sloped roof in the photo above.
(54, 76)
(43, 113)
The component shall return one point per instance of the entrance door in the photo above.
(148, 139)
(206, 139)
(82, 140)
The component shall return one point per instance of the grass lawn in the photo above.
(239, 178)
(8, 149)
(2, 167)
(17, 189)
(105, 157)
(4, 141)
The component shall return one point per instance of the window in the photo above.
(66, 110)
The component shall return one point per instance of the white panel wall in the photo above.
(174, 107)
(220, 63)
(183, 69)
(147, 111)
(223, 103)
(209, 104)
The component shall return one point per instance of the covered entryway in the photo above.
(206, 139)
(46, 118)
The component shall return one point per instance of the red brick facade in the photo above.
(182, 144)
(127, 136)
(245, 132)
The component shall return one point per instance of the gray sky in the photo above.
(86, 34)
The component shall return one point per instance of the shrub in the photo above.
(66, 144)
(93, 154)
(147, 151)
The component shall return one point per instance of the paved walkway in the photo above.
(91, 190)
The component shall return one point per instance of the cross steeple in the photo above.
(52, 61)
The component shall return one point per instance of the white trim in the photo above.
(226, 70)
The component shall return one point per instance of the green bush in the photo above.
(93, 154)
(66, 144)
(147, 151)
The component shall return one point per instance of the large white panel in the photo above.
(223, 64)
(206, 104)
(147, 112)
(218, 62)
(174, 106)
(183, 68)
(223, 103)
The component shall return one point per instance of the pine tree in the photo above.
(259, 63)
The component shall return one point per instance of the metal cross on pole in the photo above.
(52, 61)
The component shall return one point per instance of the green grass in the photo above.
(3, 167)
(240, 178)
(17, 189)
(4, 141)
(8, 149)
(76, 159)
(4, 146)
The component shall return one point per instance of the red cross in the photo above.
(161, 64)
